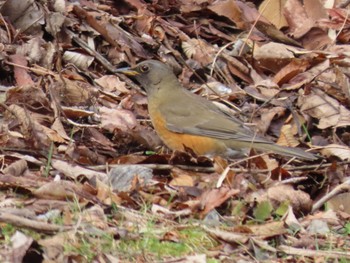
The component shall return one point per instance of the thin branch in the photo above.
(313, 253)
(31, 224)
(340, 188)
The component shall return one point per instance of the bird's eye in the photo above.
(144, 68)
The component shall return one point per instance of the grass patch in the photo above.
(148, 246)
(88, 246)
(151, 245)
(7, 230)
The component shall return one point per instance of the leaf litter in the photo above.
(84, 177)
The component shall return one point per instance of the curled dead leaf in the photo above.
(80, 60)
(112, 119)
(299, 200)
(323, 107)
(17, 168)
(341, 151)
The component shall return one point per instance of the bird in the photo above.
(184, 120)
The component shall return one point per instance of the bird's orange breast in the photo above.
(200, 145)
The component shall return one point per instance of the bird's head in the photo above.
(151, 74)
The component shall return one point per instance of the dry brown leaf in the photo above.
(41, 206)
(341, 151)
(231, 10)
(111, 32)
(52, 135)
(214, 198)
(227, 236)
(267, 116)
(58, 190)
(106, 195)
(291, 221)
(57, 126)
(316, 39)
(343, 82)
(274, 56)
(28, 182)
(113, 119)
(73, 92)
(182, 180)
(54, 246)
(270, 163)
(20, 243)
(272, 10)
(307, 76)
(199, 50)
(95, 216)
(27, 158)
(32, 50)
(323, 107)
(30, 128)
(24, 15)
(299, 21)
(299, 200)
(273, 33)
(315, 9)
(17, 168)
(81, 61)
(21, 74)
(269, 229)
(99, 138)
(55, 21)
(340, 203)
(287, 136)
(112, 83)
(74, 171)
(157, 209)
(288, 72)
(197, 258)
(267, 88)
(28, 94)
(76, 113)
(124, 178)
(171, 236)
(191, 5)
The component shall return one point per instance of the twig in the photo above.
(105, 63)
(293, 180)
(314, 166)
(344, 5)
(313, 253)
(340, 188)
(7, 28)
(38, 70)
(81, 125)
(91, 52)
(343, 25)
(212, 170)
(159, 167)
(32, 224)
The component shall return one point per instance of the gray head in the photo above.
(151, 74)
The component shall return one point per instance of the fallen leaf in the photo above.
(74, 171)
(112, 119)
(272, 10)
(323, 107)
(214, 198)
(298, 20)
(341, 151)
(81, 61)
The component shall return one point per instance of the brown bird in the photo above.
(185, 120)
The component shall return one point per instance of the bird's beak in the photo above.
(127, 71)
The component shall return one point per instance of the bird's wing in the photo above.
(204, 118)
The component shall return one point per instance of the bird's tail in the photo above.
(286, 151)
